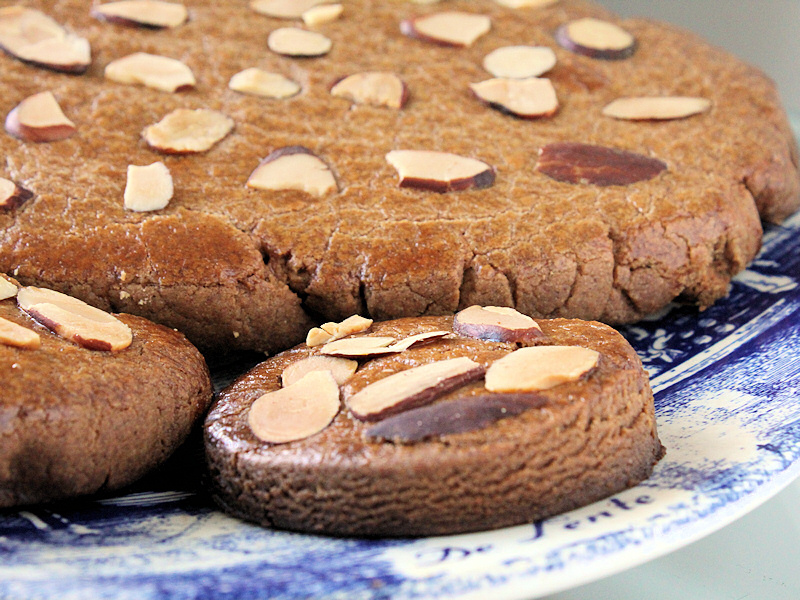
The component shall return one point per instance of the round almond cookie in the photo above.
(430, 426)
(238, 170)
(91, 401)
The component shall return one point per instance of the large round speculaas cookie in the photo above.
(555, 202)
(92, 405)
(455, 433)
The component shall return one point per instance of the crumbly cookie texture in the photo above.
(80, 414)
(238, 266)
(460, 433)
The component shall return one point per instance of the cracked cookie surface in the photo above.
(237, 267)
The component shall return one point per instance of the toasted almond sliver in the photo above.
(412, 388)
(294, 168)
(341, 369)
(417, 340)
(520, 62)
(496, 323)
(284, 9)
(8, 289)
(258, 82)
(325, 13)
(596, 38)
(540, 368)
(147, 13)
(439, 171)
(299, 43)
(352, 324)
(75, 320)
(656, 107)
(185, 131)
(448, 28)
(153, 71)
(317, 337)
(18, 336)
(529, 98)
(148, 188)
(39, 118)
(359, 347)
(295, 412)
(377, 88)
(32, 36)
(589, 164)
(12, 195)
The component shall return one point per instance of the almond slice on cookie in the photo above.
(440, 171)
(412, 388)
(34, 38)
(540, 368)
(75, 320)
(295, 412)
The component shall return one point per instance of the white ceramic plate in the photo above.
(727, 386)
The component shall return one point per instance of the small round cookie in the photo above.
(445, 425)
(91, 401)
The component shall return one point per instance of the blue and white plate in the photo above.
(727, 389)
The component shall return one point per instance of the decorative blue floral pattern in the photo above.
(727, 384)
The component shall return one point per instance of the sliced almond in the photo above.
(35, 38)
(657, 108)
(18, 336)
(519, 62)
(359, 347)
(540, 368)
(185, 131)
(417, 340)
(319, 15)
(459, 415)
(298, 43)
(530, 98)
(284, 9)
(153, 71)
(352, 324)
(295, 412)
(526, 3)
(450, 28)
(8, 287)
(372, 87)
(294, 168)
(596, 38)
(39, 118)
(151, 14)
(148, 188)
(329, 332)
(439, 171)
(496, 323)
(258, 82)
(12, 195)
(341, 369)
(317, 337)
(412, 388)
(75, 320)
(578, 163)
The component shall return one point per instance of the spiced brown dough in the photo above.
(75, 421)
(589, 439)
(232, 266)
